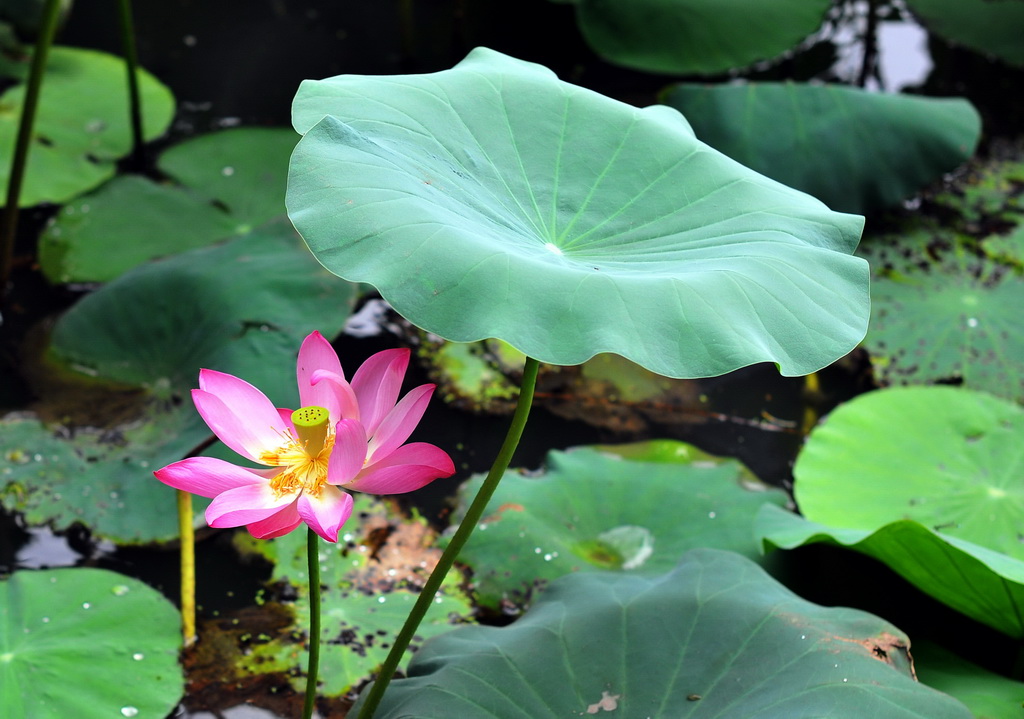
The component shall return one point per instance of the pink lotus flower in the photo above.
(346, 435)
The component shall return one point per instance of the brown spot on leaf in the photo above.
(507, 507)
(885, 647)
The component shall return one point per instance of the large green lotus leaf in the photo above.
(82, 124)
(493, 200)
(230, 181)
(944, 314)
(592, 509)
(86, 643)
(684, 37)
(241, 307)
(947, 457)
(367, 591)
(985, 585)
(856, 151)
(715, 637)
(992, 28)
(987, 695)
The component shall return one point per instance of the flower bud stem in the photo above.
(458, 540)
(313, 560)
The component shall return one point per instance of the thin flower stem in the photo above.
(19, 162)
(186, 532)
(131, 61)
(458, 540)
(313, 560)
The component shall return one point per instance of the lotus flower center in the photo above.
(304, 454)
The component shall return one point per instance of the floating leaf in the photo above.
(985, 585)
(715, 637)
(683, 37)
(952, 318)
(856, 151)
(230, 181)
(82, 123)
(947, 457)
(988, 695)
(592, 509)
(233, 307)
(241, 307)
(467, 375)
(86, 643)
(493, 200)
(367, 592)
(992, 28)
(103, 479)
(989, 192)
(244, 170)
(1007, 248)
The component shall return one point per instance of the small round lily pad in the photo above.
(86, 643)
(82, 124)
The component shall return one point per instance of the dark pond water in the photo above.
(239, 62)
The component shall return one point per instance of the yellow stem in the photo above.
(188, 568)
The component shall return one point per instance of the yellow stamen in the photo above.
(305, 457)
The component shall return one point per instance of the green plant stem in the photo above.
(458, 540)
(131, 60)
(313, 560)
(187, 535)
(8, 231)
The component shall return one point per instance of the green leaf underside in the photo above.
(856, 151)
(493, 200)
(82, 124)
(86, 643)
(949, 458)
(988, 695)
(715, 637)
(364, 599)
(683, 37)
(242, 307)
(230, 181)
(951, 318)
(984, 585)
(592, 510)
(991, 28)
